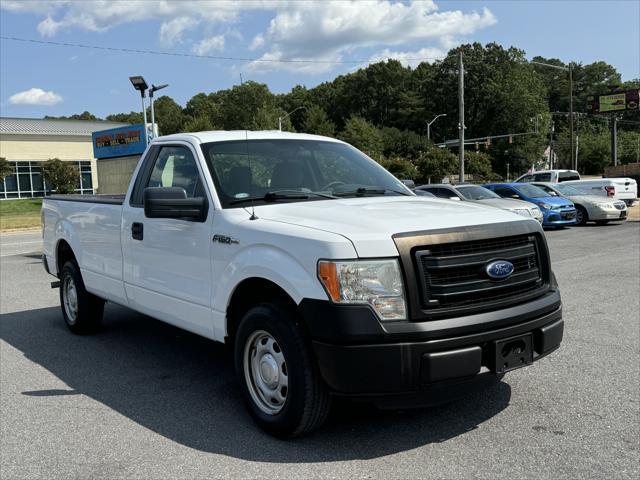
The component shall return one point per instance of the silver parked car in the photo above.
(589, 208)
(483, 196)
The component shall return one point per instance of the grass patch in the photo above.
(23, 213)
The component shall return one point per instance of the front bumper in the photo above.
(607, 214)
(559, 217)
(424, 363)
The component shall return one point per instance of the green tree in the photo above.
(76, 116)
(131, 117)
(434, 164)
(401, 168)
(317, 122)
(169, 115)
(198, 124)
(203, 105)
(266, 118)
(402, 143)
(5, 168)
(63, 177)
(363, 135)
(240, 104)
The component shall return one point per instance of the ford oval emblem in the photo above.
(499, 269)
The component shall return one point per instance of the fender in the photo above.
(270, 263)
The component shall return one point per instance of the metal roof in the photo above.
(50, 126)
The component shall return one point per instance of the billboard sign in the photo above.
(119, 142)
(613, 102)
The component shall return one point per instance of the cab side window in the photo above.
(542, 177)
(176, 167)
(527, 178)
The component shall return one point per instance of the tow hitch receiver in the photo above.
(514, 352)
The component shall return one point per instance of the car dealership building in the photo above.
(27, 142)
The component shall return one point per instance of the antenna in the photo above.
(246, 144)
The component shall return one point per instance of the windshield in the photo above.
(294, 170)
(531, 191)
(568, 190)
(476, 193)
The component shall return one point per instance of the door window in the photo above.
(503, 191)
(542, 177)
(176, 167)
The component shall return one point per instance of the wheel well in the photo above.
(63, 254)
(248, 294)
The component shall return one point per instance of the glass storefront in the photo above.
(27, 180)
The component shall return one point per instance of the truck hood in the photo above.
(370, 222)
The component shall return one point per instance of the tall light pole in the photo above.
(574, 160)
(285, 116)
(431, 122)
(461, 126)
(140, 85)
(153, 89)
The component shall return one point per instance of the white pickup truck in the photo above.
(326, 275)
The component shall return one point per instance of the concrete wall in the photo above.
(43, 147)
(114, 174)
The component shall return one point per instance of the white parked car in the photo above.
(553, 176)
(321, 270)
(625, 189)
(589, 208)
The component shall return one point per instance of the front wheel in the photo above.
(82, 311)
(582, 217)
(281, 384)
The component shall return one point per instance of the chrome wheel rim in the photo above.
(579, 216)
(265, 372)
(70, 299)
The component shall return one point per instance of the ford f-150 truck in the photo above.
(323, 272)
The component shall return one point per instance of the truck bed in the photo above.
(106, 199)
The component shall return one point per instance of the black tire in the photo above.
(306, 402)
(84, 314)
(602, 222)
(582, 217)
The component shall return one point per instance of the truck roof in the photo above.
(231, 135)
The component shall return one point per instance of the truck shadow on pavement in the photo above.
(183, 387)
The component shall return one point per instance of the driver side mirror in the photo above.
(515, 196)
(454, 198)
(172, 202)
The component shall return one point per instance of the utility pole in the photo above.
(572, 156)
(507, 171)
(614, 140)
(461, 126)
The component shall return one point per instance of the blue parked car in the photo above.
(557, 211)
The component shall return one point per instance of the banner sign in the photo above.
(613, 102)
(119, 142)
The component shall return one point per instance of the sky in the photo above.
(255, 37)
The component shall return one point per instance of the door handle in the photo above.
(137, 230)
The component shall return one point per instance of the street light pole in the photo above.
(285, 116)
(461, 115)
(431, 122)
(140, 84)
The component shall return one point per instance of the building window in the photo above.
(27, 180)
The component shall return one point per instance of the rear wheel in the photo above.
(82, 311)
(582, 217)
(281, 384)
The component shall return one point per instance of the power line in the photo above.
(193, 55)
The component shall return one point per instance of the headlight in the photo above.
(606, 206)
(546, 206)
(371, 282)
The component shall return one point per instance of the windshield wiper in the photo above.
(276, 195)
(362, 191)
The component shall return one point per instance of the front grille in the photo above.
(453, 276)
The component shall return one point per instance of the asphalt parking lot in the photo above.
(145, 400)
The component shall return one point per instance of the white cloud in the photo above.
(209, 44)
(172, 30)
(35, 96)
(312, 30)
(257, 42)
(410, 59)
